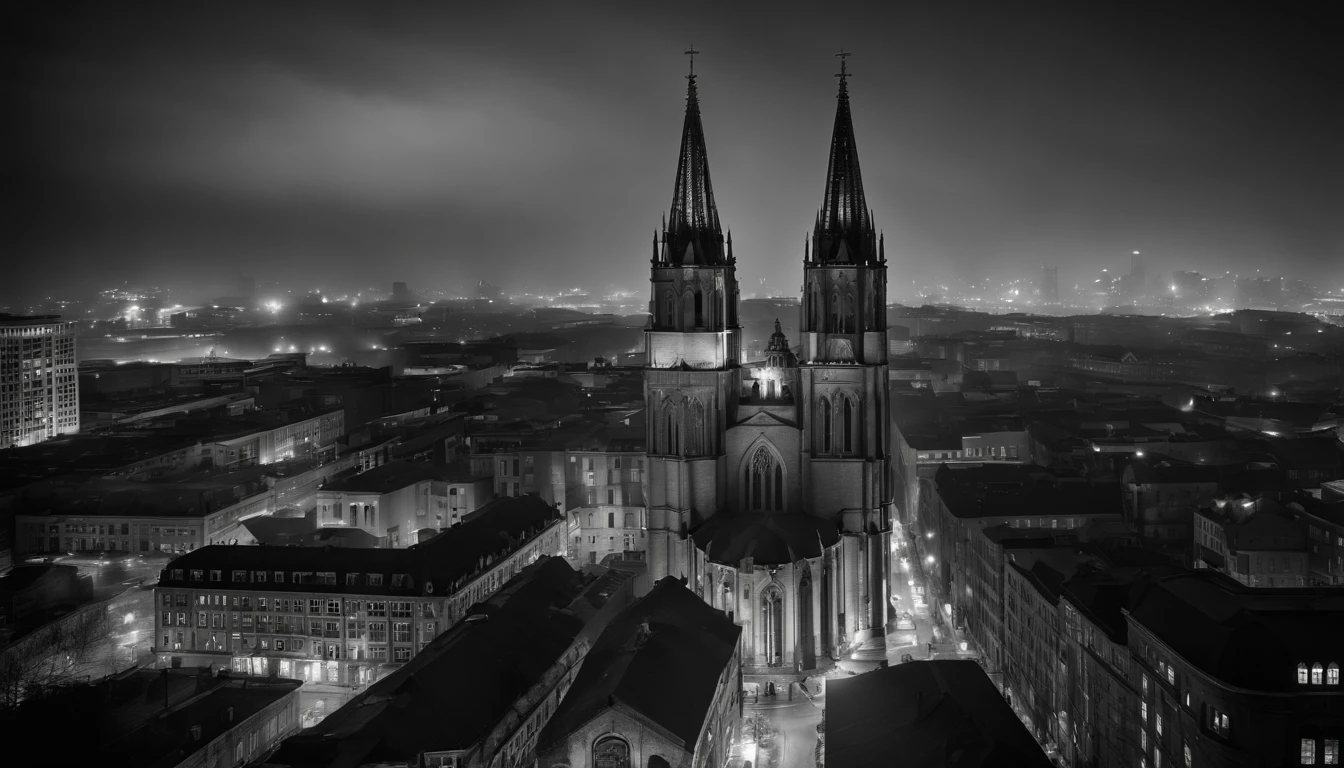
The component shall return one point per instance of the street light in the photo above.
(929, 559)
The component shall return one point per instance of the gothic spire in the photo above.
(693, 235)
(844, 232)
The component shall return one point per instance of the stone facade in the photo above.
(791, 454)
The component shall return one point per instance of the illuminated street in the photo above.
(796, 722)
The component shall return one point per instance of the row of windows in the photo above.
(393, 608)
(1318, 675)
(327, 578)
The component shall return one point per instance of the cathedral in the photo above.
(770, 488)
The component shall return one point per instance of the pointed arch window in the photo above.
(835, 312)
(1301, 674)
(824, 424)
(1317, 674)
(695, 429)
(699, 309)
(1332, 674)
(764, 482)
(669, 309)
(849, 312)
(847, 426)
(671, 441)
(869, 309)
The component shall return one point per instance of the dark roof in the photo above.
(269, 529)
(1216, 624)
(668, 676)
(1002, 490)
(22, 577)
(125, 725)
(389, 477)
(456, 553)
(1158, 468)
(421, 707)
(931, 713)
(767, 538)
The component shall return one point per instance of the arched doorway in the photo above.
(772, 626)
(805, 644)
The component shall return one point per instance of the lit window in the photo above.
(1317, 674)
(1332, 674)
(1331, 752)
(1189, 757)
(1308, 751)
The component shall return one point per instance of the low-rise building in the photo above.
(1161, 494)
(395, 502)
(662, 686)
(341, 615)
(170, 514)
(1323, 520)
(1252, 540)
(161, 718)
(481, 692)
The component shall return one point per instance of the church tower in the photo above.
(693, 349)
(843, 382)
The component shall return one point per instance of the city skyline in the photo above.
(441, 145)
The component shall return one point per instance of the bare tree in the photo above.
(48, 657)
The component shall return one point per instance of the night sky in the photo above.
(439, 143)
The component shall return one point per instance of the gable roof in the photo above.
(669, 677)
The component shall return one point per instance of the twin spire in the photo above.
(844, 232)
(692, 234)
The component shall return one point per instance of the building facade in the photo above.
(605, 499)
(769, 485)
(39, 386)
(340, 615)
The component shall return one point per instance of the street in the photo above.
(796, 722)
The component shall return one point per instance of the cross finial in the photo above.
(842, 55)
(692, 52)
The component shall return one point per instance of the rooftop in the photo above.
(420, 707)
(126, 723)
(661, 658)
(385, 478)
(1003, 490)
(1216, 623)
(943, 714)
(440, 563)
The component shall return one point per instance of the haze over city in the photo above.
(180, 145)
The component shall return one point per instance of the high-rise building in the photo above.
(770, 485)
(39, 388)
(1049, 284)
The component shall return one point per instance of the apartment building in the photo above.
(39, 385)
(340, 615)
